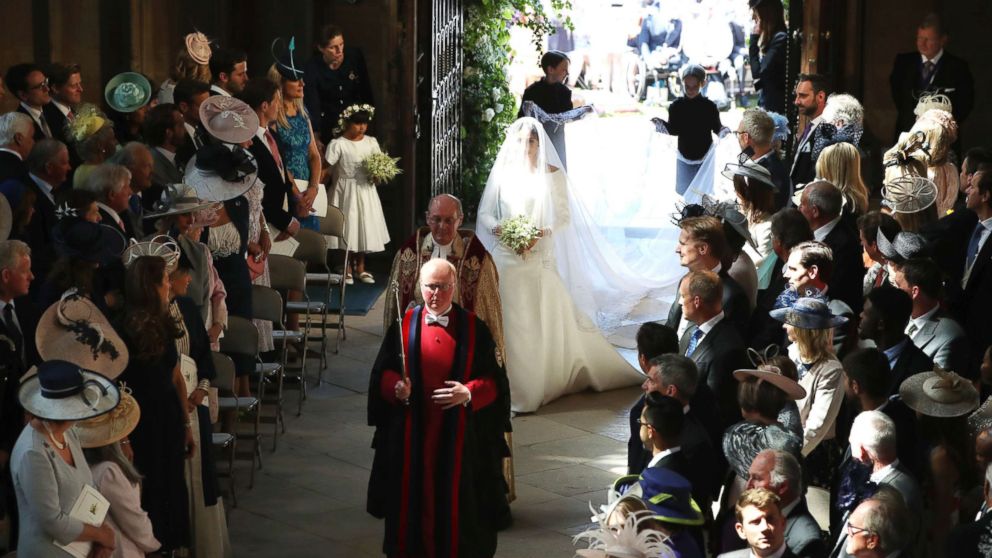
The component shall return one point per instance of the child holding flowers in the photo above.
(354, 189)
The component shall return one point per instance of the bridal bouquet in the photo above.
(381, 168)
(518, 234)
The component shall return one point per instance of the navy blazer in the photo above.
(847, 282)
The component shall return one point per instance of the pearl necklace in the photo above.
(51, 436)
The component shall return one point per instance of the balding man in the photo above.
(478, 281)
(440, 415)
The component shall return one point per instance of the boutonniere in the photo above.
(352, 76)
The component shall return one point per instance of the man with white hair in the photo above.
(972, 539)
(873, 443)
(112, 186)
(844, 110)
(440, 401)
(755, 135)
(780, 472)
(137, 158)
(16, 142)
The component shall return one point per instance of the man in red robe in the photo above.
(440, 402)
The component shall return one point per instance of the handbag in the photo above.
(256, 267)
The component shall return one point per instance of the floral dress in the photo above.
(294, 146)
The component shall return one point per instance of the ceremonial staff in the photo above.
(399, 321)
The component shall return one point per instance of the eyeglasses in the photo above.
(855, 531)
(439, 220)
(642, 423)
(438, 286)
(42, 85)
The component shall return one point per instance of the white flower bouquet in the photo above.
(381, 168)
(518, 234)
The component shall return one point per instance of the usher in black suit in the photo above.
(951, 77)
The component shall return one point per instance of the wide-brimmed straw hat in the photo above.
(91, 242)
(160, 246)
(6, 218)
(774, 376)
(110, 427)
(74, 330)
(909, 194)
(127, 92)
(808, 313)
(60, 390)
(904, 246)
(177, 199)
(198, 47)
(220, 172)
(750, 170)
(939, 393)
(228, 119)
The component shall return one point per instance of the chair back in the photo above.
(225, 372)
(333, 223)
(286, 273)
(240, 337)
(312, 249)
(266, 304)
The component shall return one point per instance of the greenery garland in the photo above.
(488, 107)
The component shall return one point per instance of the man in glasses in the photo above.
(478, 282)
(28, 83)
(877, 528)
(440, 401)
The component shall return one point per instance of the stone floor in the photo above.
(309, 498)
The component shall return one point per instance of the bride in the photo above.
(562, 293)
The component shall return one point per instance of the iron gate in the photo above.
(444, 118)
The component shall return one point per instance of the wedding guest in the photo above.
(757, 135)
(229, 70)
(810, 100)
(756, 196)
(822, 205)
(840, 165)
(165, 133)
(930, 327)
(111, 184)
(779, 472)
(336, 78)
(809, 268)
(761, 523)
(878, 528)
(29, 85)
(883, 321)
(91, 135)
(49, 167)
(66, 83)
(192, 62)
(869, 226)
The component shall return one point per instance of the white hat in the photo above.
(60, 390)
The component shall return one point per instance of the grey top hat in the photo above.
(808, 313)
(127, 92)
(750, 170)
(904, 246)
(909, 194)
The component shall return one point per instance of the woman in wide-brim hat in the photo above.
(756, 196)
(75, 330)
(911, 200)
(809, 325)
(103, 439)
(47, 462)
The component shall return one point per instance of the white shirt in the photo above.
(880, 474)
(822, 232)
(663, 454)
(777, 554)
(936, 58)
(169, 155)
(986, 229)
(684, 322)
(441, 250)
(219, 90)
(706, 326)
(36, 115)
(922, 319)
(45, 187)
(12, 151)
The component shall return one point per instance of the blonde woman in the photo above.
(192, 62)
(91, 134)
(809, 324)
(294, 135)
(840, 164)
(924, 152)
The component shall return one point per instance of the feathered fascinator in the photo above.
(88, 121)
(286, 63)
(624, 541)
(930, 101)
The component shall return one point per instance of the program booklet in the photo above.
(90, 508)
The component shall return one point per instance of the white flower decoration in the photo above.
(488, 115)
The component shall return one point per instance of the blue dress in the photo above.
(294, 146)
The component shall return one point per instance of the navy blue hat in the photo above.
(808, 313)
(91, 242)
(669, 497)
(61, 390)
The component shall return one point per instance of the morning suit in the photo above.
(57, 121)
(277, 189)
(847, 282)
(971, 304)
(802, 533)
(736, 305)
(951, 76)
(718, 354)
(943, 340)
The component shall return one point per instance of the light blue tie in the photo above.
(693, 342)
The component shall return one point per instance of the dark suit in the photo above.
(769, 71)
(803, 169)
(802, 533)
(736, 306)
(951, 77)
(38, 133)
(847, 282)
(911, 361)
(38, 236)
(963, 541)
(125, 219)
(277, 189)
(57, 123)
(719, 353)
(14, 362)
(971, 302)
(164, 172)
(13, 168)
(762, 330)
